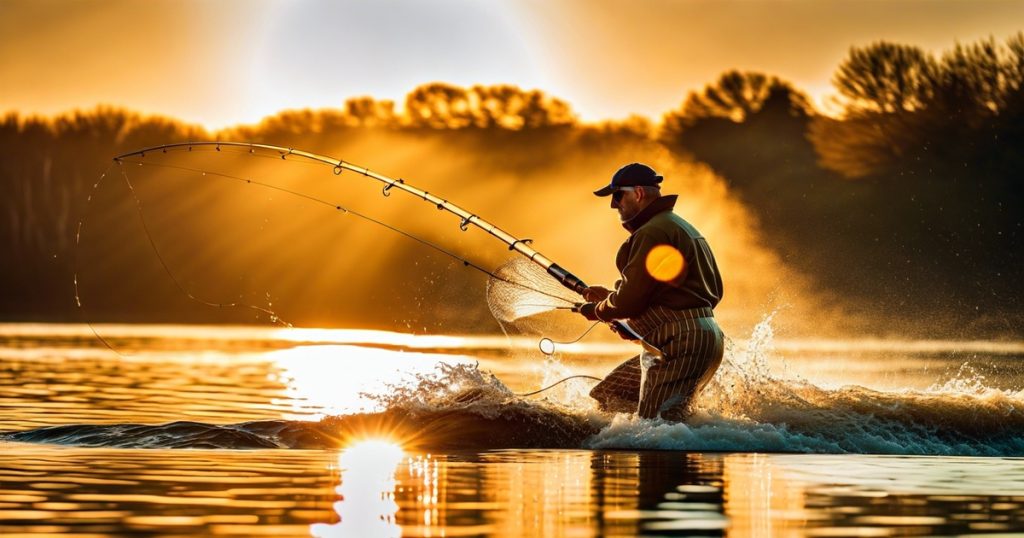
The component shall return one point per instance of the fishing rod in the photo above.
(466, 218)
(522, 246)
(466, 262)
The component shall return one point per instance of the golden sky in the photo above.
(221, 62)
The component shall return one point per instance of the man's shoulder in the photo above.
(669, 222)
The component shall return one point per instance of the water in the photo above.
(288, 432)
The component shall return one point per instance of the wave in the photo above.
(744, 409)
(777, 417)
(848, 420)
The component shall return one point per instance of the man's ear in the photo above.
(651, 195)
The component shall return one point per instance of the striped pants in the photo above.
(663, 384)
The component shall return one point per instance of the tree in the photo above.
(443, 106)
(734, 99)
(369, 112)
(734, 95)
(907, 113)
(969, 80)
(1013, 69)
(751, 129)
(885, 77)
(439, 106)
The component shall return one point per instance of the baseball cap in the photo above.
(631, 175)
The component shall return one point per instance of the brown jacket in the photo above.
(698, 285)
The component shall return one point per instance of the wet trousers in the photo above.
(689, 349)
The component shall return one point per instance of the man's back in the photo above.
(698, 283)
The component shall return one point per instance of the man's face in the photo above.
(626, 201)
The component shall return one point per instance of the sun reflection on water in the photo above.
(367, 506)
(325, 380)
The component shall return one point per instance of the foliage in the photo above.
(886, 77)
(741, 125)
(735, 96)
(933, 223)
(908, 202)
(444, 106)
(907, 112)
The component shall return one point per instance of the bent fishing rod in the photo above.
(467, 218)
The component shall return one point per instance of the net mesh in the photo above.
(525, 299)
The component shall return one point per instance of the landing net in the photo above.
(527, 300)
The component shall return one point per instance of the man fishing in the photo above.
(668, 287)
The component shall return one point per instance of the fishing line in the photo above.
(547, 345)
(152, 242)
(74, 263)
(520, 245)
(270, 313)
(138, 202)
(556, 383)
(465, 262)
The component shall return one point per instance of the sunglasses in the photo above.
(617, 195)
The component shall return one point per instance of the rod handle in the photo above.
(574, 283)
(567, 279)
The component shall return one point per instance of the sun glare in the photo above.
(664, 263)
(325, 380)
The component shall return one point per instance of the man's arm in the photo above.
(594, 294)
(637, 287)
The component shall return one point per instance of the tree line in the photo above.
(906, 198)
(910, 197)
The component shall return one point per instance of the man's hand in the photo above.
(589, 311)
(594, 294)
(621, 334)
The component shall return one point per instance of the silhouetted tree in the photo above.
(443, 106)
(439, 106)
(734, 96)
(1013, 72)
(939, 143)
(47, 167)
(969, 81)
(747, 126)
(369, 112)
(538, 110)
(886, 77)
(498, 106)
(906, 113)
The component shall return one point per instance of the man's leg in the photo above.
(663, 389)
(619, 391)
(693, 351)
(680, 394)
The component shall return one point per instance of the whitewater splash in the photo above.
(744, 409)
(459, 406)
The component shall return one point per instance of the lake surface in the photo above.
(247, 431)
